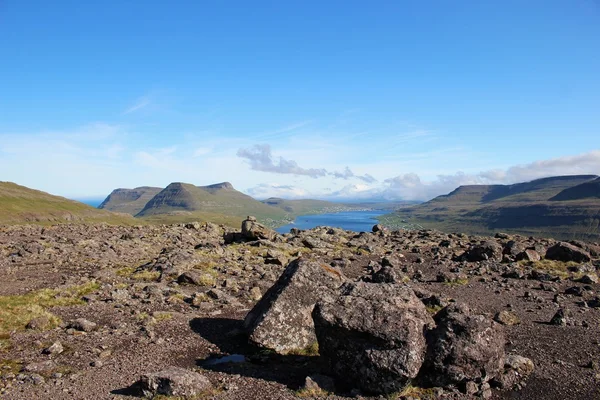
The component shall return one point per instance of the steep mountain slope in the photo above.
(19, 204)
(217, 203)
(129, 201)
(587, 190)
(539, 207)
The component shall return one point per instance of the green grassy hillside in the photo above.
(19, 205)
(301, 207)
(529, 208)
(220, 203)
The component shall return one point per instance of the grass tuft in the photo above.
(311, 350)
(18, 310)
(412, 391)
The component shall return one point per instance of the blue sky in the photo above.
(280, 97)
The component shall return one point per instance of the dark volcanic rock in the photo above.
(282, 320)
(372, 335)
(567, 252)
(488, 250)
(529, 255)
(463, 347)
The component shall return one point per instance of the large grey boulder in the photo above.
(562, 251)
(174, 381)
(252, 230)
(282, 320)
(463, 347)
(372, 335)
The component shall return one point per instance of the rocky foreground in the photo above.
(201, 311)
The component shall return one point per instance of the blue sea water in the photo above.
(357, 221)
(91, 202)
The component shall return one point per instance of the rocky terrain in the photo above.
(204, 311)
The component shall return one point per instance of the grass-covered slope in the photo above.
(129, 201)
(21, 205)
(301, 207)
(531, 208)
(221, 203)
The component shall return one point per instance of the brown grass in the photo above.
(18, 310)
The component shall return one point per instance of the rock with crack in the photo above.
(282, 320)
(371, 336)
(174, 381)
(463, 347)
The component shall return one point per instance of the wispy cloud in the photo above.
(261, 159)
(139, 104)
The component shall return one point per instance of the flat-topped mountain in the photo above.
(562, 206)
(212, 202)
(536, 190)
(129, 201)
(19, 204)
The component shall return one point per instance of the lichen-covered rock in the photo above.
(174, 381)
(516, 369)
(252, 230)
(463, 347)
(567, 252)
(372, 335)
(282, 320)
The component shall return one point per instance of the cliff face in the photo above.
(129, 201)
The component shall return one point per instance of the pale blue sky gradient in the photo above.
(99, 95)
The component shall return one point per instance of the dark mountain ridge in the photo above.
(561, 206)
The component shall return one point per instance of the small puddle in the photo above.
(232, 358)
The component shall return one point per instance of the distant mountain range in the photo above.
(220, 203)
(562, 206)
(19, 204)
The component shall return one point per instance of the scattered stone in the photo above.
(174, 381)
(516, 369)
(529, 255)
(561, 318)
(39, 323)
(55, 348)
(488, 250)
(371, 335)
(567, 252)
(319, 383)
(589, 279)
(377, 228)
(507, 318)
(82, 324)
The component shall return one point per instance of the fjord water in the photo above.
(357, 221)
